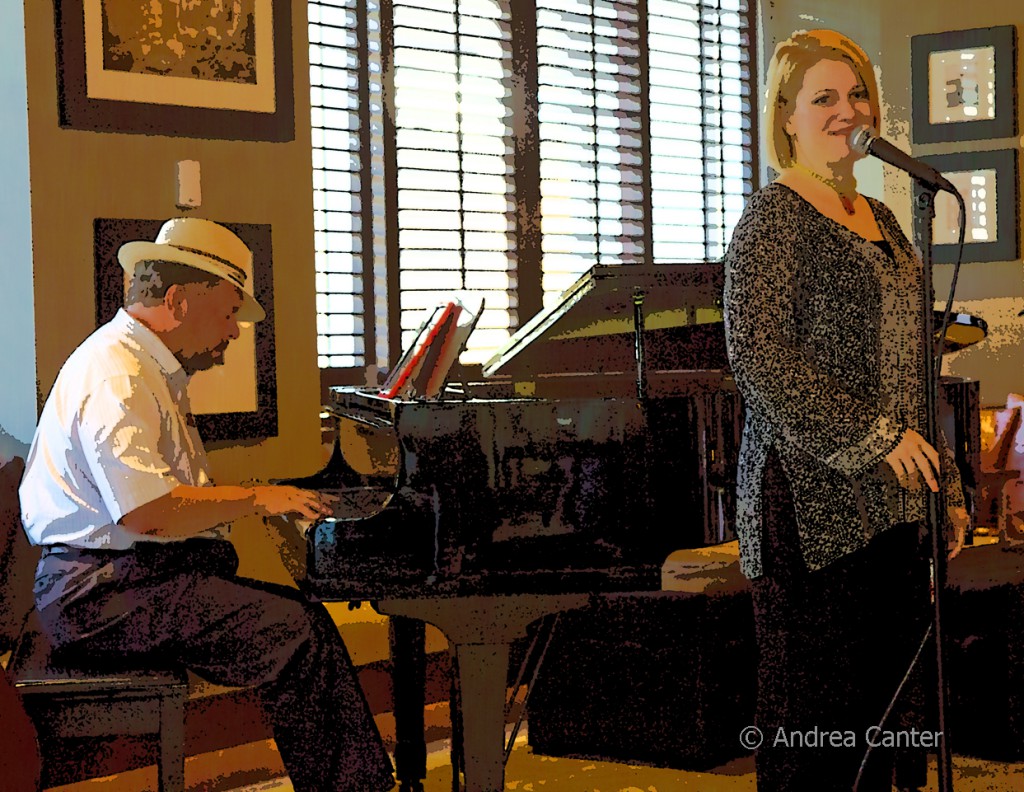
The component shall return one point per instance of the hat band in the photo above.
(239, 274)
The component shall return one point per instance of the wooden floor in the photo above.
(256, 767)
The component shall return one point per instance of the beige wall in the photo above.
(991, 290)
(77, 176)
(994, 291)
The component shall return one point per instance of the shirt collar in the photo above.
(151, 343)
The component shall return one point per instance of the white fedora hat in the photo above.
(205, 245)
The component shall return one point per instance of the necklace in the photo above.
(845, 198)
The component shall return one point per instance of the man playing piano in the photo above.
(118, 494)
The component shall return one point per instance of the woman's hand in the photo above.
(912, 458)
(960, 521)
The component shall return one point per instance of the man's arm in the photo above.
(186, 510)
(120, 424)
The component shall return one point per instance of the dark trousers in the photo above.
(183, 602)
(833, 646)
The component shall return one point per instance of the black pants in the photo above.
(182, 601)
(833, 647)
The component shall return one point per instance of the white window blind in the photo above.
(589, 108)
(336, 116)
(701, 168)
(453, 139)
(436, 135)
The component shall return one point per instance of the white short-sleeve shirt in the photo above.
(115, 433)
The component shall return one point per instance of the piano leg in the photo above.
(407, 638)
(483, 671)
(481, 630)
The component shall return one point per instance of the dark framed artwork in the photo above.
(987, 180)
(964, 84)
(192, 68)
(236, 401)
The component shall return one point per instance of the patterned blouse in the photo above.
(824, 334)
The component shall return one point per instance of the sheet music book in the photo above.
(403, 361)
(431, 360)
(398, 382)
(462, 328)
(423, 369)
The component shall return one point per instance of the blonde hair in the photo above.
(790, 62)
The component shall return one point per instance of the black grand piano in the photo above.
(554, 475)
(602, 438)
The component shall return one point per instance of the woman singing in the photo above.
(823, 312)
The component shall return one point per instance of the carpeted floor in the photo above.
(256, 767)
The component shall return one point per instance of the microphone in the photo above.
(864, 141)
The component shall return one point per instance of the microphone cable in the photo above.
(892, 703)
(941, 341)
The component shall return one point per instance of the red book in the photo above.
(398, 381)
(429, 368)
(453, 344)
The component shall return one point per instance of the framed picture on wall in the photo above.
(197, 68)
(963, 85)
(987, 180)
(233, 401)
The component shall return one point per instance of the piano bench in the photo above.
(69, 701)
(660, 677)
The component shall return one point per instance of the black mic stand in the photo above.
(924, 214)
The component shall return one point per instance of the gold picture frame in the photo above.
(208, 54)
(212, 68)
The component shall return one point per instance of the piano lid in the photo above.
(590, 328)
